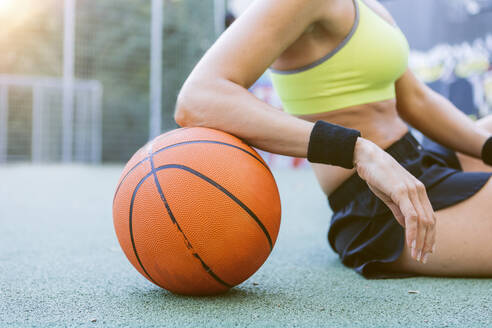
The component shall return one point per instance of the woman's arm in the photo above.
(437, 117)
(215, 95)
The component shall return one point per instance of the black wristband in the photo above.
(332, 144)
(487, 152)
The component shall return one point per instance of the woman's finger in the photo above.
(411, 224)
(413, 192)
(430, 237)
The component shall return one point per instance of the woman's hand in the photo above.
(402, 193)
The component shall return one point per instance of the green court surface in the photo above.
(61, 266)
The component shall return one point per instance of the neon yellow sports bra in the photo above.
(362, 69)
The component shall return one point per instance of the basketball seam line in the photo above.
(205, 266)
(188, 244)
(175, 222)
(225, 191)
(186, 143)
(131, 227)
(230, 195)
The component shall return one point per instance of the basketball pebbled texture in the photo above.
(196, 211)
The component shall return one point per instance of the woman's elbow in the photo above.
(186, 111)
(181, 112)
(197, 104)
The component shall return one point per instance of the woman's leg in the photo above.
(470, 164)
(463, 232)
(463, 241)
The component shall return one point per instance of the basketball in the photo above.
(196, 211)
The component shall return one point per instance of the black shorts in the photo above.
(363, 230)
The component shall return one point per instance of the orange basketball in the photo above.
(196, 211)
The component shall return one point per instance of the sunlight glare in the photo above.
(6, 6)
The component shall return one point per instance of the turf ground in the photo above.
(61, 266)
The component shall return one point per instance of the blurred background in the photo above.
(92, 81)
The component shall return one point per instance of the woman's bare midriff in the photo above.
(378, 122)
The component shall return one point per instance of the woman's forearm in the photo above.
(223, 105)
(437, 118)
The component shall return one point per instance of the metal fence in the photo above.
(31, 117)
(91, 81)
